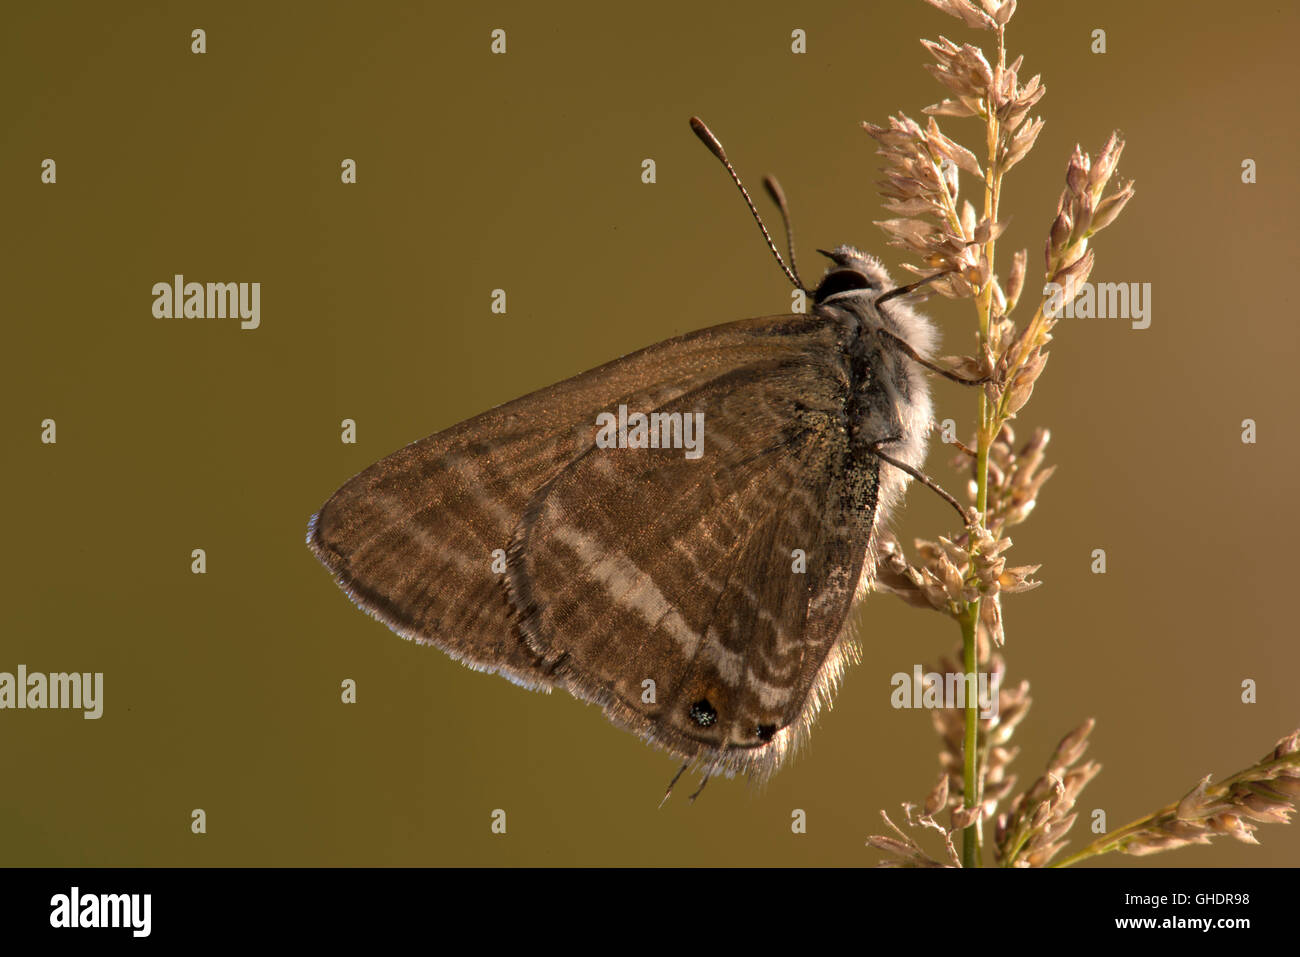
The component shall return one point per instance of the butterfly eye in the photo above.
(766, 731)
(703, 713)
(839, 281)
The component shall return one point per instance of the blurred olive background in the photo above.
(522, 172)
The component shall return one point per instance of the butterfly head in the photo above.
(851, 273)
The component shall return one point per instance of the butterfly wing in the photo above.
(412, 538)
(703, 603)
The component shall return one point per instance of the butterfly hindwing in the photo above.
(703, 602)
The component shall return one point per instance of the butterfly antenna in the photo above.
(706, 136)
(778, 196)
(673, 782)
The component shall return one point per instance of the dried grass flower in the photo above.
(966, 575)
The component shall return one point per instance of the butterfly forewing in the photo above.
(410, 539)
(627, 565)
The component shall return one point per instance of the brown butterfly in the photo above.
(703, 601)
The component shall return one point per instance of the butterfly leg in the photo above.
(919, 476)
(958, 443)
(912, 354)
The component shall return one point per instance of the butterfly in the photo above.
(704, 602)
